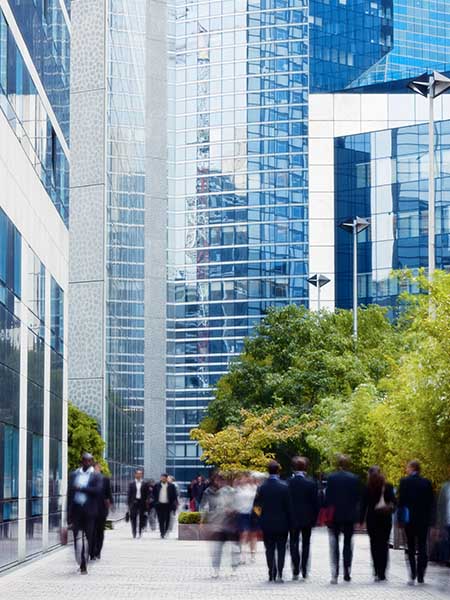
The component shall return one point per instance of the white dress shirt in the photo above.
(81, 481)
(163, 494)
(138, 483)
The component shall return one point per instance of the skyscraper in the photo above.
(241, 74)
(107, 237)
(34, 209)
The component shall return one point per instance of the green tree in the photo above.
(84, 436)
(250, 444)
(298, 357)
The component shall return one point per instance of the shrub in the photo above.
(189, 518)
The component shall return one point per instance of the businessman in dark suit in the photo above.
(304, 494)
(84, 490)
(137, 503)
(105, 501)
(165, 498)
(272, 503)
(342, 496)
(416, 495)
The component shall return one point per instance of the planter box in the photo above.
(193, 532)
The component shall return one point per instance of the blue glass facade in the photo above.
(237, 191)
(16, 302)
(27, 115)
(421, 42)
(347, 37)
(384, 176)
(125, 238)
(45, 30)
(34, 104)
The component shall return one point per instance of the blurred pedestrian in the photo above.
(166, 502)
(219, 520)
(137, 503)
(151, 511)
(84, 490)
(416, 500)
(377, 507)
(198, 487)
(342, 498)
(272, 503)
(444, 521)
(304, 492)
(245, 492)
(105, 502)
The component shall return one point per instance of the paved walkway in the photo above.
(156, 569)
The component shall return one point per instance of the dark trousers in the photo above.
(83, 527)
(416, 540)
(379, 534)
(137, 511)
(163, 511)
(275, 545)
(100, 523)
(295, 549)
(335, 532)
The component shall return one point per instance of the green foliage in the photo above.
(384, 402)
(189, 518)
(249, 445)
(84, 436)
(298, 357)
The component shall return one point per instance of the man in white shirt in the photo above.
(137, 503)
(166, 502)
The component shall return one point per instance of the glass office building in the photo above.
(347, 37)
(238, 182)
(420, 42)
(240, 76)
(125, 236)
(34, 108)
(384, 176)
(108, 185)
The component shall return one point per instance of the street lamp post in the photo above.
(431, 86)
(355, 226)
(318, 280)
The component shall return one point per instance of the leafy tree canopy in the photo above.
(298, 357)
(84, 436)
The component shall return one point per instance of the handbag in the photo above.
(326, 516)
(127, 517)
(403, 515)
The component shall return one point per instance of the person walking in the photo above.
(342, 499)
(137, 503)
(218, 513)
(166, 502)
(416, 500)
(198, 487)
(84, 491)
(105, 501)
(245, 492)
(443, 513)
(304, 493)
(377, 506)
(272, 503)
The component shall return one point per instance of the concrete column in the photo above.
(156, 236)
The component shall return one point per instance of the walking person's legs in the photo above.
(410, 533)
(422, 547)
(294, 542)
(133, 519)
(373, 550)
(306, 545)
(348, 531)
(281, 543)
(269, 544)
(333, 537)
